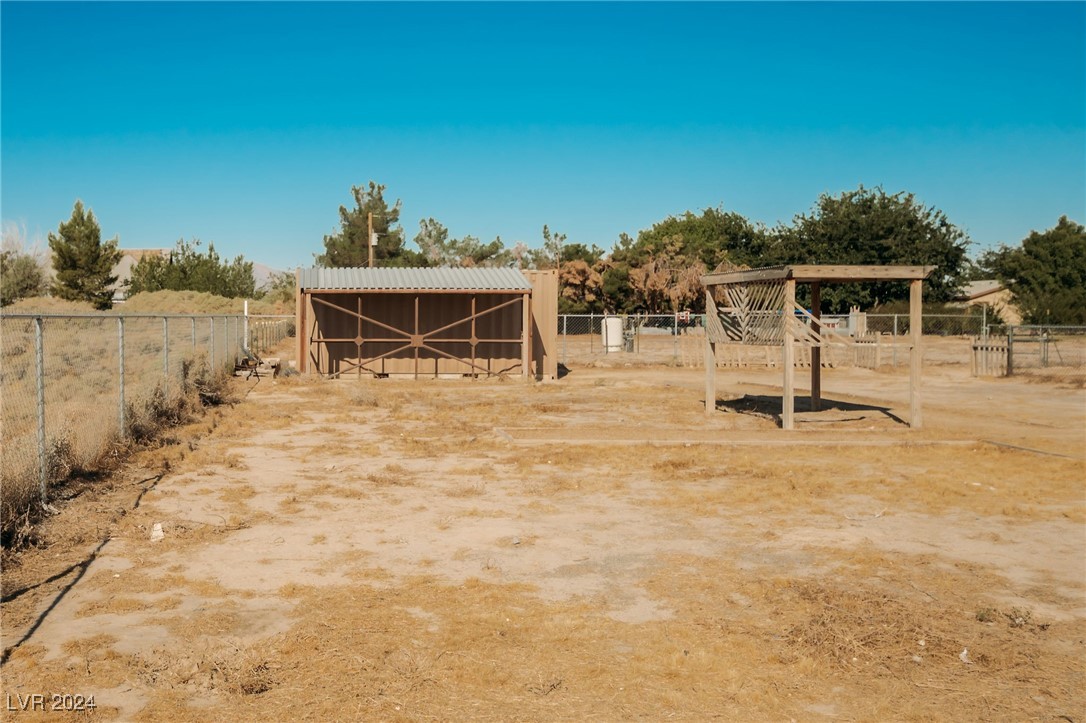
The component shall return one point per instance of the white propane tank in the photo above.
(612, 334)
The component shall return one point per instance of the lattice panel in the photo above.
(753, 314)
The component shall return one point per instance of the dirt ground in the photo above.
(594, 548)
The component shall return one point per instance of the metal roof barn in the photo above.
(427, 322)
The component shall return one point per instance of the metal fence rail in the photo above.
(69, 383)
(1042, 351)
(265, 331)
(882, 340)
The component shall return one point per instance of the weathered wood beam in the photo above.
(788, 399)
(810, 273)
(816, 348)
(916, 356)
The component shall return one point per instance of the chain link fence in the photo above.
(677, 339)
(1041, 352)
(266, 331)
(71, 386)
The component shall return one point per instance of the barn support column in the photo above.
(816, 349)
(299, 322)
(788, 402)
(915, 355)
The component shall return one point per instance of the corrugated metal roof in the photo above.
(400, 279)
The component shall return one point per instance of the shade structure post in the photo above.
(788, 401)
(710, 376)
(816, 348)
(916, 357)
(710, 357)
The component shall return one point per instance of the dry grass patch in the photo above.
(466, 489)
(982, 480)
(122, 605)
(392, 475)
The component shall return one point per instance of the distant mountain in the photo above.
(263, 274)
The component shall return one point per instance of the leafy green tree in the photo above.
(437, 249)
(349, 247)
(616, 291)
(187, 268)
(579, 252)
(867, 226)
(281, 287)
(550, 256)
(1046, 274)
(713, 237)
(21, 276)
(82, 261)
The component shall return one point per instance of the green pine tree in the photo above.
(349, 246)
(83, 263)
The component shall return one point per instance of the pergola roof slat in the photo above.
(810, 273)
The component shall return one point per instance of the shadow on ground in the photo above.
(833, 410)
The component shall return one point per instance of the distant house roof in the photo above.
(123, 269)
(976, 289)
(414, 279)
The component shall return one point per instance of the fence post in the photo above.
(591, 332)
(120, 376)
(565, 338)
(675, 341)
(1010, 351)
(895, 341)
(211, 342)
(193, 320)
(39, 363)
(165, 354)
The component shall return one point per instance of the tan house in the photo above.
(123, 269)
(993, 294)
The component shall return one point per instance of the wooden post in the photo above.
(299, 323)
(710, 355)
(526, 335)
(816, 350)
(369, 236)
(916, 355)
(710, 375)
(788, 401)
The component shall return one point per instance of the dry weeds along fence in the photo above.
(75, 386)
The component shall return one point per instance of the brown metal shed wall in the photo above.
(435, 310)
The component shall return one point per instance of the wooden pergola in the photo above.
(758, 307)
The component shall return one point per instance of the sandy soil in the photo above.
(592, 548)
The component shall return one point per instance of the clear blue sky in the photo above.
(246, 124)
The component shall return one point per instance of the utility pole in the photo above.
(369, 236)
